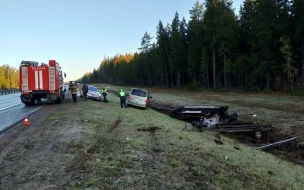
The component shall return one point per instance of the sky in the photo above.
(79, 34)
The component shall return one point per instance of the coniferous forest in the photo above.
(261, 48)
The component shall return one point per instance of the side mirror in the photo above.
(150, 96)
(64, 75)
(64, 90)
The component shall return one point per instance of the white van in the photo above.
(139, 98)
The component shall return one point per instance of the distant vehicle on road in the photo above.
(93, 93)
(139, 98)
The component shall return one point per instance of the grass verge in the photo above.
(143, 149)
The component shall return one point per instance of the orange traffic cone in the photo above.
(26, 121)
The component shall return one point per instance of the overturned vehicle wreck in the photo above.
(216, 118)
(197, 112)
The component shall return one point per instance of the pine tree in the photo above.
(298, 34)
(211, 19)
(177, 52)
(195, 40)
(183, 30)
(264, 49)
(162, 38)
(289, 68)
(227, 37)
(243, 65)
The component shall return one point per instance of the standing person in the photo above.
(74, 90)
(104, 92)
(85, 90)
(122, 96)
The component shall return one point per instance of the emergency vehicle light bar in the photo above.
(29, 63)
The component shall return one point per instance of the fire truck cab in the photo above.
(41, 81)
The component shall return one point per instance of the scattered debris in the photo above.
(272, 145)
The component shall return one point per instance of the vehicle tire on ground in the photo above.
(32, 101)
(258, 134)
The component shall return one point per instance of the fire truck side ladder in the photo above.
(52, 78)
(24, 78)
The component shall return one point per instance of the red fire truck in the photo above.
(41, 81)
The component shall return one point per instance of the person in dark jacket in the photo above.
(122, 96)
(104, 92)
(85, 90)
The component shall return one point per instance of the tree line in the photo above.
(9, 77)
(261, 48)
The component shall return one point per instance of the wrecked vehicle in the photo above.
(216, 118)
(195, 112)
(256, 129)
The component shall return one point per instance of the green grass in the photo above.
(119, 150)
(55, 116)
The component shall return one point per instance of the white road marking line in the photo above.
(10, 106)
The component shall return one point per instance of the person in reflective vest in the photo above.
(104, 92)
(122, 96)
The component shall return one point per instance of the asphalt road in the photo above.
(13, 111)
